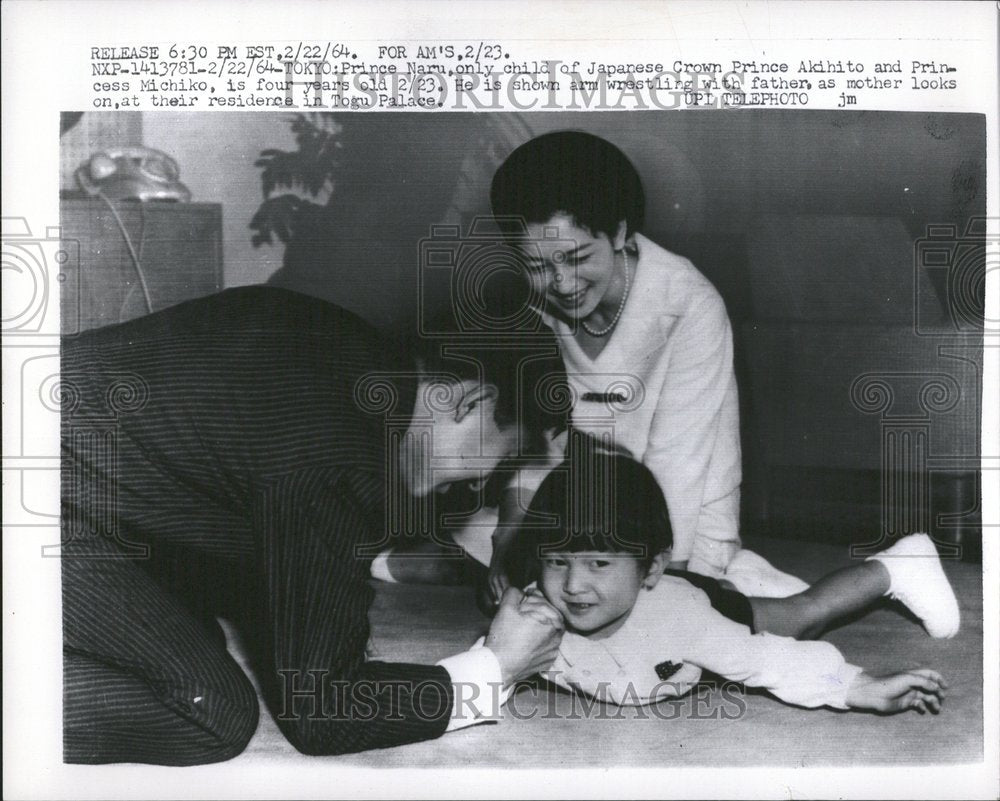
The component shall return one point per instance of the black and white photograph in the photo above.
(736, 340)
(513, 440)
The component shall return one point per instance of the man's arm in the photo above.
(523, 640)
(326, 697)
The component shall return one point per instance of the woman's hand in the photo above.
(921, 690)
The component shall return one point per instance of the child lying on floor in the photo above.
(636, 634)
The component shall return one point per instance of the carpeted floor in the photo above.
(547, 728)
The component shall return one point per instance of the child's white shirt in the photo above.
(673, 633)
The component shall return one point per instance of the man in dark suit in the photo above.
(236, 455)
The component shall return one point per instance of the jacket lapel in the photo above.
(646, 319)
(642, 331)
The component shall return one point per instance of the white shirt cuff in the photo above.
(477, 683)
(840, 685)
(380, 567)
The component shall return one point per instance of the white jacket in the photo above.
(669, 363)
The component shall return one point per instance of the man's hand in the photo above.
(920, 689)
(524, 635)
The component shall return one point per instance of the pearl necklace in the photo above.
(621, 305)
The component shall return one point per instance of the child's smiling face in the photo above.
(595, 590)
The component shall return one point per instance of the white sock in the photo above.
(917, 580)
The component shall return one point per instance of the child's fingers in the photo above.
(933, 675)
(930, 674)
(920, 679)
(497, 587)
(544, 619)
(912, 700)
(920, 701)
(933, 703)
(535, 599)
(542, 611)
(511, 597)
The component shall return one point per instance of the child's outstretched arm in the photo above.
(803, 673)
(920, 689)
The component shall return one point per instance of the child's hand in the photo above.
(496, 580)
(920, 689)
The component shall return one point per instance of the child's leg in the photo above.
(909, 571)
(834, 596)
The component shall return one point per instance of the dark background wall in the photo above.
(809, 224)
(709, 178)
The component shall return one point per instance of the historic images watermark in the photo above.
(317, 696)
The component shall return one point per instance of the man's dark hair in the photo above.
(522, 360)
(573, 172)
(597, 501)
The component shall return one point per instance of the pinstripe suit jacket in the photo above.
(224, 437)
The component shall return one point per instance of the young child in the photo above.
(598, 527)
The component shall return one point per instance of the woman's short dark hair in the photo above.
(597, 501)
(573, 172)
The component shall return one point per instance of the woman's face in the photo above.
(572, 267)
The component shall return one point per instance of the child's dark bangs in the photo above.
(596, 541)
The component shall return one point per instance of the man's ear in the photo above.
(655, 571)
(618, 241)
(476, 394)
